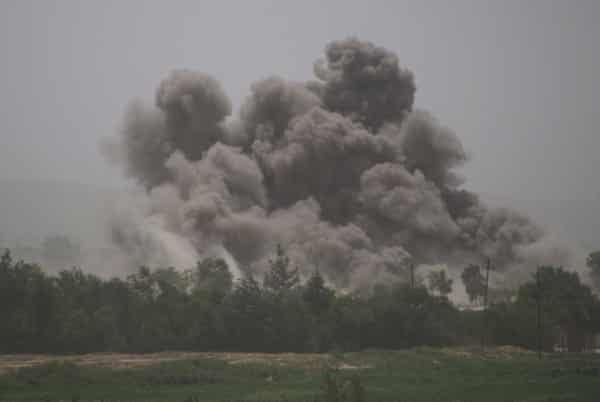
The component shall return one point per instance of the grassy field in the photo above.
(417, 375)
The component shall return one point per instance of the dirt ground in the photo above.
(496, 352)
(306, 360)
(119, 360)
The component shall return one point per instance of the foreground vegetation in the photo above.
(205, 310)
(418, 375)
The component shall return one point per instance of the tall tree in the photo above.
(212, 276)
(280, 277)
(440, 283)
(6, 261)
(474, 282)
(566, 304)
(247, 315)
(593, 263)
(316, 295)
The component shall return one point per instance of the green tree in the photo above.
(143, 284)
(5, 261)
(316, 295)
(280, 277)
(169, 280)
(474, 282)
(318, 300)
(593, 263)
(247, 316)
(213, 277)
(440, 283)
(568, 305)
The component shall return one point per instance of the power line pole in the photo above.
(487, 282)
(538, 285)
(412, 276)
(485, 301)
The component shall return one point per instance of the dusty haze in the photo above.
(515, 82)
(343, 170)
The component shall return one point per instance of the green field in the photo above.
(417, 375)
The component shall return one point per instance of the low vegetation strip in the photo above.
(417, 375)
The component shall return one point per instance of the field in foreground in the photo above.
(417, 375)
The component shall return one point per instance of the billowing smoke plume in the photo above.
(342, 171)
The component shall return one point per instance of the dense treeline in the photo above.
(205, 309)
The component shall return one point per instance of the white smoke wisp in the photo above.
(144, 239)
(232, 264)
(342, 171)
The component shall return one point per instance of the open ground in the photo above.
(420, 375)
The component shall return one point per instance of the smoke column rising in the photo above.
(343, 171)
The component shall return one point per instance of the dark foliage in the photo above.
(204, 309)
(474, 282)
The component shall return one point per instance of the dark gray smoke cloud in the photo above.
(432, 149)
(321, 155)
(342, 171)
(189, 117)
(194, 107)
(365, 83)
(273, 103)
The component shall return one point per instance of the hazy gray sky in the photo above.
(517, 80)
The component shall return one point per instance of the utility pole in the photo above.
(487, 283)
(485, 301)
(538, 285)
(412, 275)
